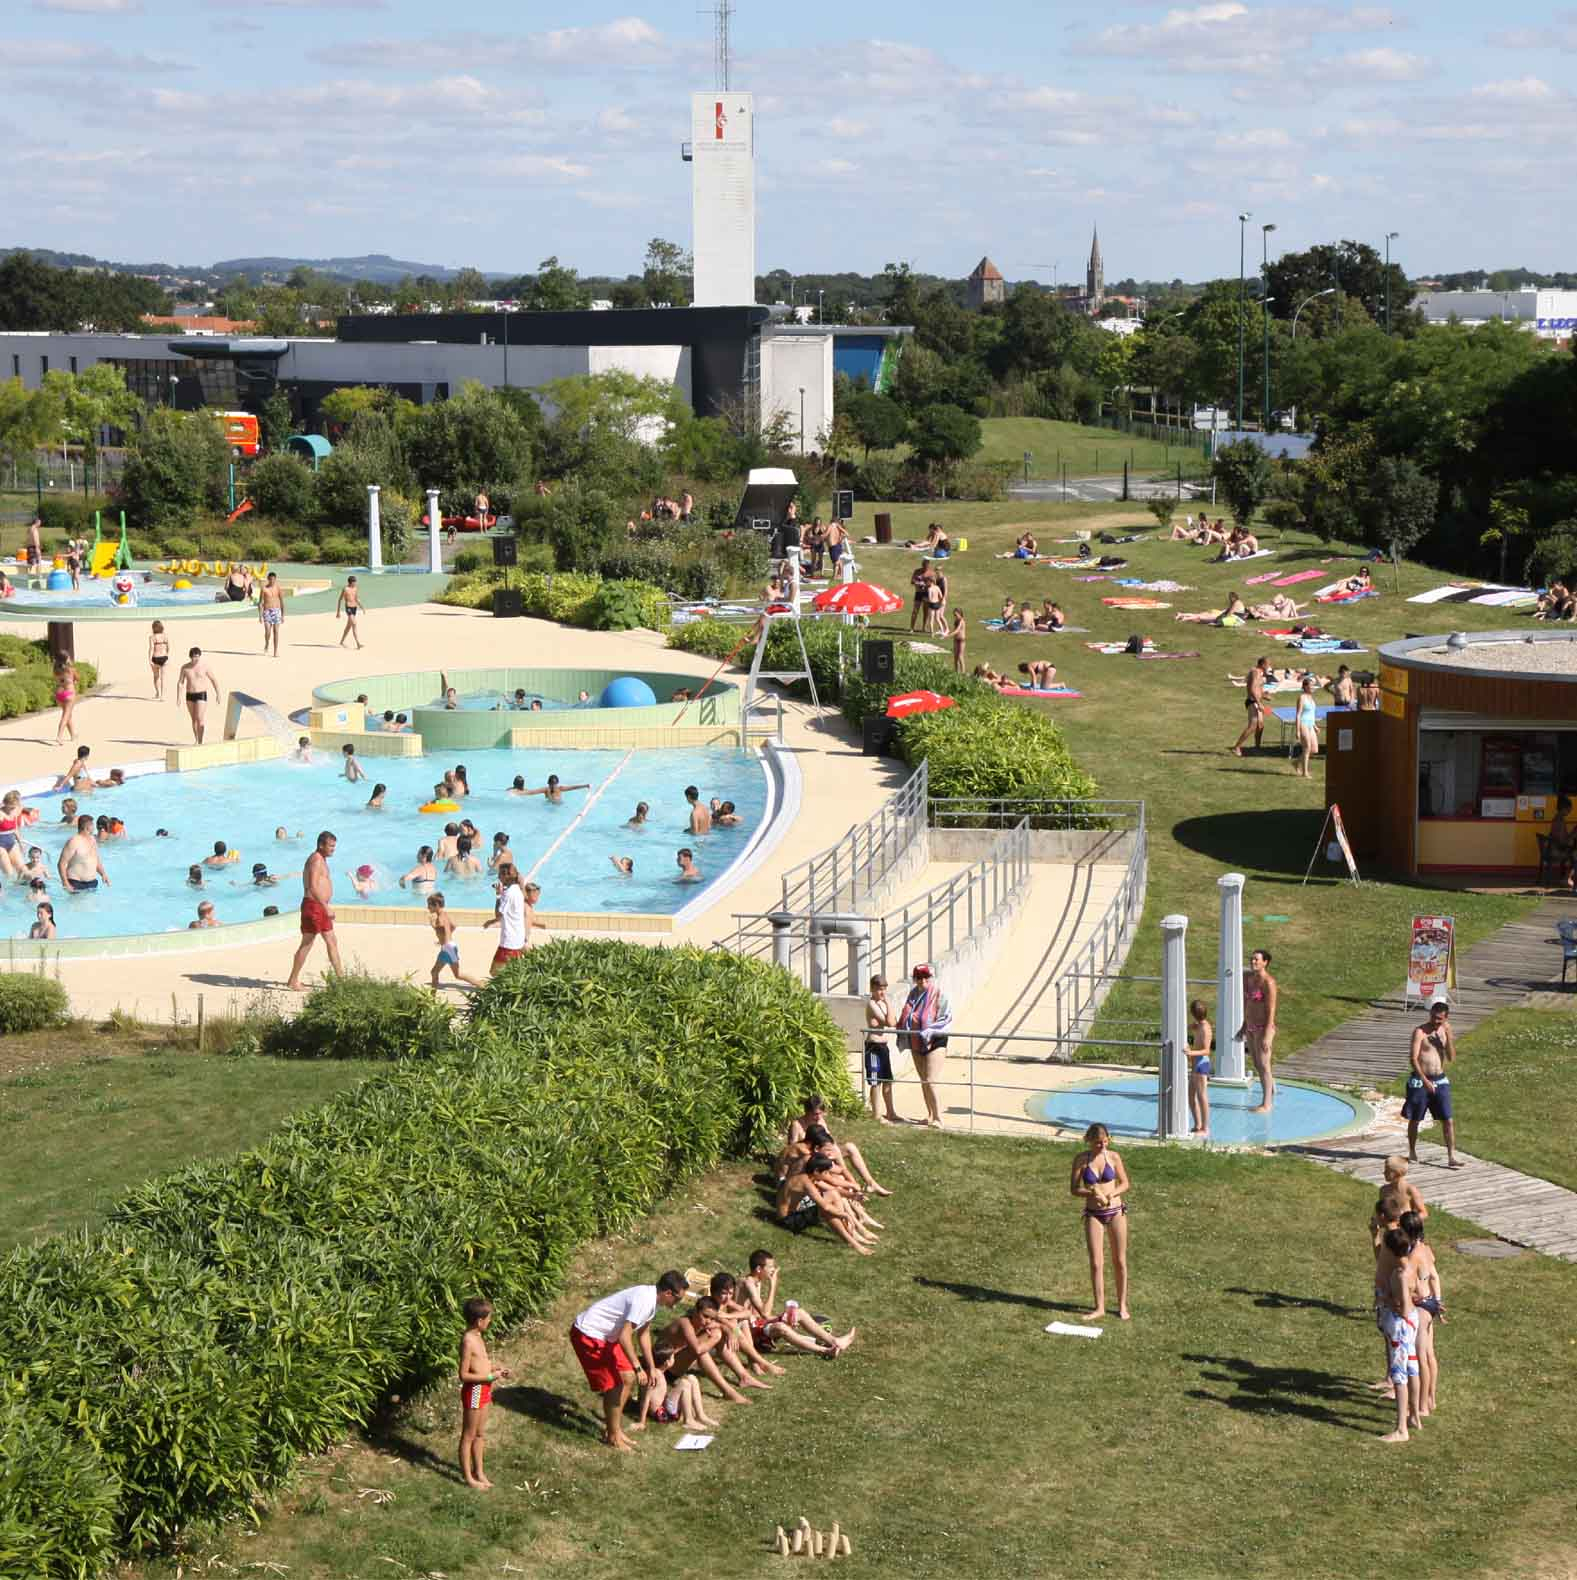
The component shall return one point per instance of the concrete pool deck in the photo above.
(123, 725)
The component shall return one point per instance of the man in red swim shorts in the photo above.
(603, 1338)
(317, 911)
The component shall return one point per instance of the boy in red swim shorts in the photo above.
(476, 1391)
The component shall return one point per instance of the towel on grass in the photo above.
(1258, 554)
(1135, 603)
(1072, 1330)
(1052, 693)
(1506, 597)
(1298, 576)
(1254, 581)
(1452, 590)
(1150, 652)
(1348, 597)
(1108, 648)
(1062, 562)
(997, 625)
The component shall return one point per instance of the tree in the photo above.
(903, 294)
(1039, 333)
(1163, 507)
(1401, 498)
(470, 285)
(276, 420)
(1212, 323)
(556, 289)
(666, 273)
(468, 444)
(77, 405)
(943, 435)
(1353, 267)
(25, 423)
(283, 488)
(177, 464)
(1243, 472)
(878, 421)
(616, 403)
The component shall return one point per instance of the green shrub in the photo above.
(30, 1003)
(363, 1017)
(340, 548)
(709, 638)
(30, 687)
(182, 548)
(239, 1314)
(994, 751)
(177, 465)
(57, 1498)
(640, 562)
(304, 551)
(474, 591)
(284, 488)
(143, 548)
(629, 606)
(71, 515)
(468, 560)
(262, 549)
(223, 548)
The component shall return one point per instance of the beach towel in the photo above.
(1108, 648)
(1102, 577)
(1348, 597)
(1296, 577)
(1061, 562)
(1507, 597)
(1072, 1330)
(1141, 586)
(1441, 594)
(1324, 644)
(1135, 603)
(1150, 652)
(1054, 694)
(1258, 554)
(997, 625)
(1265, 576)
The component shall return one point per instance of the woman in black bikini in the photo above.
(1101, 1180)
(158, 657)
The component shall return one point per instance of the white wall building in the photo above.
(796, 381)
(1549, 314)
(723, 190)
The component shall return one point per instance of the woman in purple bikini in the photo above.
(1101, 1180)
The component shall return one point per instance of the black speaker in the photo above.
(506, 603)
(843, 504)
(876, 662)
(877, 733)
(505, 551)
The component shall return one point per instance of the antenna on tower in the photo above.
(721, 12)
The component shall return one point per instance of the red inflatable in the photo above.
(466, 523)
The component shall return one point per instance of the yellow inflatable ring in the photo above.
(440, 806)
(221, 567)
(182, 585)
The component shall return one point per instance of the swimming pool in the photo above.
(97, 595)
(1125, 1104)
(563, 847)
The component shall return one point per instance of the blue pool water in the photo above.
(1126, 1106)
(243, 806)
(96, 595)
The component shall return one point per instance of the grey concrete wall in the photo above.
(1045, 845)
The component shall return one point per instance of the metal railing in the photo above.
(1083, 986)
(1083, 812)
(935, 924)
(849, 872)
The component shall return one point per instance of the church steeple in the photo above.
(1095, 275)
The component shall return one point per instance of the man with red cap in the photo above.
(926, 1016)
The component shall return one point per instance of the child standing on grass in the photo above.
(476, 1391)
(960, 636)
(1201, 1037)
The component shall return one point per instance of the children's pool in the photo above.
(97, 595)
(565, 847)
(1126, 1106)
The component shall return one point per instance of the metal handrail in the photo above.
(850, 871)
(1079, 992)
(934, 924)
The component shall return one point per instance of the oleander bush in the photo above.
(570, 598)
(357, 1016)
(239, 1314)
(29, 1002)
(30, 687)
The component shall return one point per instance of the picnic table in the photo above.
(1289, 716)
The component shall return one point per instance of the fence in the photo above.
(851, 871)
(1180, 437)
(932, 926)
(54, 474)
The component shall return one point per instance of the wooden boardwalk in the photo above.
(1516, 1207)
(1498, 972)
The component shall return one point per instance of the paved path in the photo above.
(1516, 1207)
(1523, 957)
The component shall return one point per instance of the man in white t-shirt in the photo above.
(604, 1336)
(509, 915)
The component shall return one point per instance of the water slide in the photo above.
(105, 555)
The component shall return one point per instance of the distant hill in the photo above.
(377, 267)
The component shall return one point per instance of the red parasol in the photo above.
(911, 702)
(857, 598)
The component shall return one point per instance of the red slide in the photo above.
(240, 510)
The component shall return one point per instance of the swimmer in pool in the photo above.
(536, 705)
(623, 865)
(44, 925)
(501, 852)
(463, 864)
(222, 855)
(423, 873)
(205, 916)
(519, 786)
(194, 876)
(303, 751)
(446, 845)
(353, 769)
(375, 800)
(688, 871)
(364, 881)
(262, 878)
(553, 790)
(725, 816)
(639, 820)
(450, 695)
(284, 833)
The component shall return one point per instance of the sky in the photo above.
(493, 135)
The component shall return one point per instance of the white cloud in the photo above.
(296, 5)
(90, 7)
(629, 42)
(43, 54)
(1524, 90)
(844, 126)
(1379, 65)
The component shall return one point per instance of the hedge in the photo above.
(569, 597)
(237, 1315)
(30, 687)
(357, 1016)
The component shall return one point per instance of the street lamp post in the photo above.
(1390, 236)
(1330, 290)
(1264, 304)
(1243, 220)
(820, 293)
(802, 419)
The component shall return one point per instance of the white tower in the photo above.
(723, 178)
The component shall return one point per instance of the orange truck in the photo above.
(241, 432)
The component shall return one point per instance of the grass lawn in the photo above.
(1084, 450)
(1161, 732)
(1228, 1426)
(78, 1130)
(1513, 1095)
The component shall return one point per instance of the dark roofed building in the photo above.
(986, 284)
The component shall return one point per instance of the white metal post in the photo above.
(435, 558)
(1229, 983)
(1171, 1117)
(374, 530)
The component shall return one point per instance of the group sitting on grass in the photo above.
(820, 1180)
(1235, 611)
(1020, 617)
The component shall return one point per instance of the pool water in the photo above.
(502, 701)
(1126, 1106)
(97, 595)
(243, 805)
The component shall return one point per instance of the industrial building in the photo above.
(1551, 315)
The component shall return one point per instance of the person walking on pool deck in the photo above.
(926, 1015)
(1101, 1180)
(1254, 702)
(349, 601)
(158, 657)
(317, 913)
(1428, 1085)
(271, 611)
(192, 686)
(604, 1338)
(1260, 994)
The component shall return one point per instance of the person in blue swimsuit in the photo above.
(1308, 716)
(1200, 1039)
(1100, 1180)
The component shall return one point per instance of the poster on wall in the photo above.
(1432, 959)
